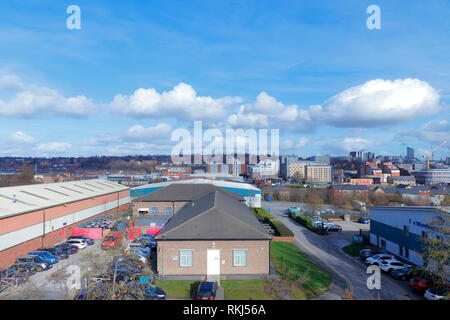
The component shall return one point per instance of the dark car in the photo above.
(363, 220)
(366, 253)
(128, 260)
(89, 241)
(206, 290)
(38, 261)
(62, 254)
(405, 273)
(47, 256)
(68, 247)
(13, 277)
(28, 269)
(125, 267)
(153, 293)
(333, 227)
(120, 275)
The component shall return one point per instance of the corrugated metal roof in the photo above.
(21, 199)
(219, 183)
(185, 192)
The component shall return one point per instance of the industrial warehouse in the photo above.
(250, 193)
(40, 215)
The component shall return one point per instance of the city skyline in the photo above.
(134, 73)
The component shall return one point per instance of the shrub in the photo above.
(305, 221)
(262, 214)
(280, 229)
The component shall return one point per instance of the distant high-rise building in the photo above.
(409, 153)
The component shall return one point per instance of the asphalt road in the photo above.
(347, 272)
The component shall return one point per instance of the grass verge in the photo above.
(303, 278)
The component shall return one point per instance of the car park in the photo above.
(80, 243)
(47, 256)
(437, 293)
(129, 260)
(39, 262)
(62, 254)
(138, 246)
(390, 265)
(206, 290)
(89, 241)
(405, 273)
(375, 259)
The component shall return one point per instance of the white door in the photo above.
(213, 262)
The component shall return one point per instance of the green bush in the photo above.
(262, 214)
(280, 229)
(304, 221)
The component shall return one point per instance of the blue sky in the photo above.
(310, 68)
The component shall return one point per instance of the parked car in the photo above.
(438, 293)
(405, 273)
(333, 227)
(377, 258)
(363, 220)
(420, 284)
(138, 246)
(366, 253)
(112, 240)
(391, 265)
(147, 242)
(26, 268)
(145, 251)
(13, 277)
(129, 260)
(120, 275)
(147, 235)
(62, 254)
(47, 256)
(89, 241)
(39, 262)
(206, 290)
(68, 248)
(80, 243)
(153, 293)
(139, 256)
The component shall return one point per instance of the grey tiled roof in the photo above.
(215, 216)
(185, 192)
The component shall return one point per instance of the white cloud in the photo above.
(21, 137)
(139, 132)
(248, 120)
(180, 102)
(348, 144)
(381, 102)
(434, 131)
(10, 83)
(266, 111)
(294, 145)
(55, 147)
(35, 100)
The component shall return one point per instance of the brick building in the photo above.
(215, 235)
(42, 215)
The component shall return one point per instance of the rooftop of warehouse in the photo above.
(219, 183)
(21, 199)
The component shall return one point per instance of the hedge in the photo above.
(261, 213)
(280, 229)
(304, 221)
